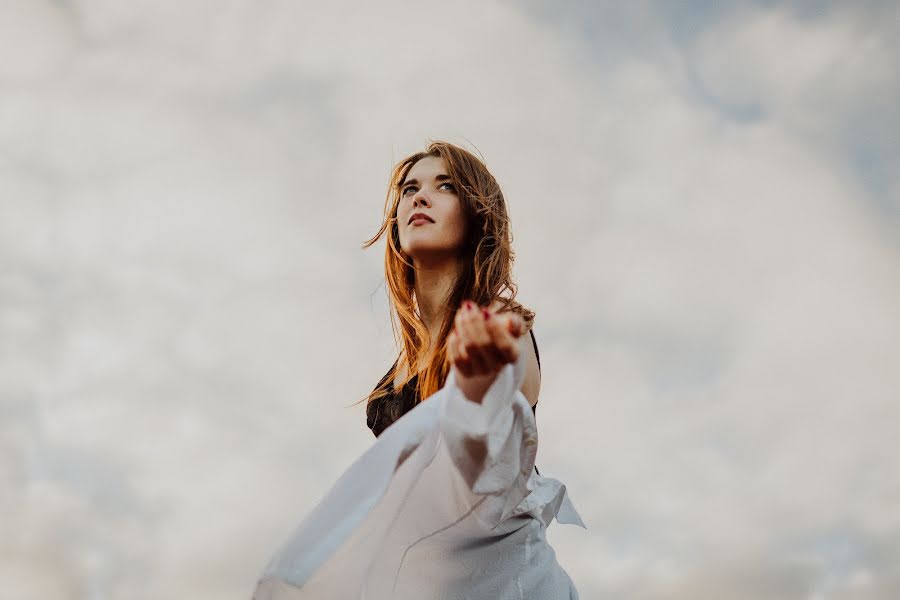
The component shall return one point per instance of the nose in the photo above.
(419, 199)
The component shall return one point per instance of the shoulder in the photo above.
(499, 307)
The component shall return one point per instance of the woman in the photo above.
(447, 503)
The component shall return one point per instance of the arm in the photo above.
(486, 422)
(481, 343)
(475, 386)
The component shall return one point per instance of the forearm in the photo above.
(474, 386)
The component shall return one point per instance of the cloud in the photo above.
(187, 315)
(828, 77)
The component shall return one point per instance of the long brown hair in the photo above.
(486, 272)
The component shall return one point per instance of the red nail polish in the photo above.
(486, 314)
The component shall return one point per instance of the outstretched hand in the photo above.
(482, 341)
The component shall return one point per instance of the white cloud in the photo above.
(187, 313)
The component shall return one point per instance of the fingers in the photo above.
(504, 345)
(457, 354)
(482, 341)
(469, 323)
(454, 354)
(515, 325)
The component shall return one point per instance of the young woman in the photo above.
(448, 502)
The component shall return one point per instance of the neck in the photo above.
(434, 282)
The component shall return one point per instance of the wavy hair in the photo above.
(486, 272)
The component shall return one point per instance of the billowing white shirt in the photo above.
(444, 505)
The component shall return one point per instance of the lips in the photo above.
(419, 216)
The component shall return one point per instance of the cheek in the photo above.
(460, 230)
(459, 224)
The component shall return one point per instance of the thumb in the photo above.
(515, 325)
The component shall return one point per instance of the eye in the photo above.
(409, 187)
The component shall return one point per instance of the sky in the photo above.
(706, 215)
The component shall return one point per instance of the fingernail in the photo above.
(468, 305)
(486, 314)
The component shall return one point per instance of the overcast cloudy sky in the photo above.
(706, 211)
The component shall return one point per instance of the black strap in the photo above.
(536, 353)
(538, 356)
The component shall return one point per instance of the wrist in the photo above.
(474, 387)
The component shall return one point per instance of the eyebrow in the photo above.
(439, 177)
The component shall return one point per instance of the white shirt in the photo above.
(444, 505)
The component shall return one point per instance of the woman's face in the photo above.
(427, 189)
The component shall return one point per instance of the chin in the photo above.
(423, 251)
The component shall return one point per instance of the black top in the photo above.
(383, 412)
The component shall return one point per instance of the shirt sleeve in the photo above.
(449, 467)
